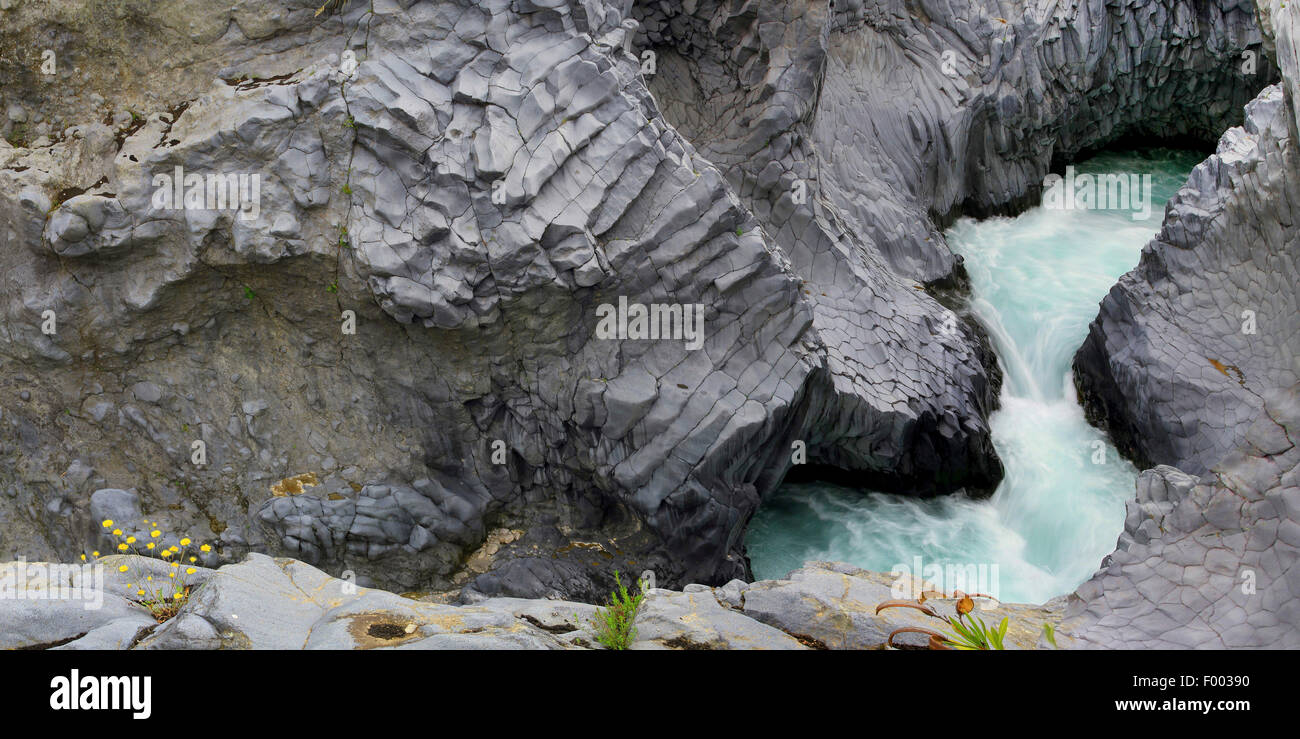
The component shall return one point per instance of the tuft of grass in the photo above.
(615, 624)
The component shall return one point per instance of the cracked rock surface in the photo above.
(464, 184)
(265, 603)
(1178, 362)
(1210, 562)
(467, 183)
(1210, 552)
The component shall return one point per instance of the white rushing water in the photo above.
(1036, 282)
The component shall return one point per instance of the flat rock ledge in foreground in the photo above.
(266, 603)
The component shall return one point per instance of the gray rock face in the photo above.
(833, 605)
(1186, 346)
(1212, 562)
(263, 603)
(91, 605)
(332, 287)
(696, 620)
(894, 113)
(381, 266)
(1210, 553)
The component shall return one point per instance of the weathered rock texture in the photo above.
(472, 180)
(1208, 563)
(902, 115)
(1185, 347)
(265, 603)
(1210, 554)
(484, 179)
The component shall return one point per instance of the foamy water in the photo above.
(1036, 282)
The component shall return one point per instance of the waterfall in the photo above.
(1036, 280)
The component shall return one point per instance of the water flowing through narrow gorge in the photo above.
(1036, 281)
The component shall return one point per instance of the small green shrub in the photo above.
(616, 623)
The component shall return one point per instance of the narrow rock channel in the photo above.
(1035, 281)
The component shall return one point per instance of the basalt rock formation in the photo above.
(1192, 364)
(1186, 346)
(378, 350)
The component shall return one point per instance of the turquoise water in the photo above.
(1036, 281)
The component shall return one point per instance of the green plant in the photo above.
(165, 594)
(248, 293)
(1049, 633)
(615, 623)
(967, 632)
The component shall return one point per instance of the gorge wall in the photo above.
(473, 180)
(1192, 365)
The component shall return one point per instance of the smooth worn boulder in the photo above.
(834, 606)
(265, 603)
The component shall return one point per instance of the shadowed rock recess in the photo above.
(466, 183)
